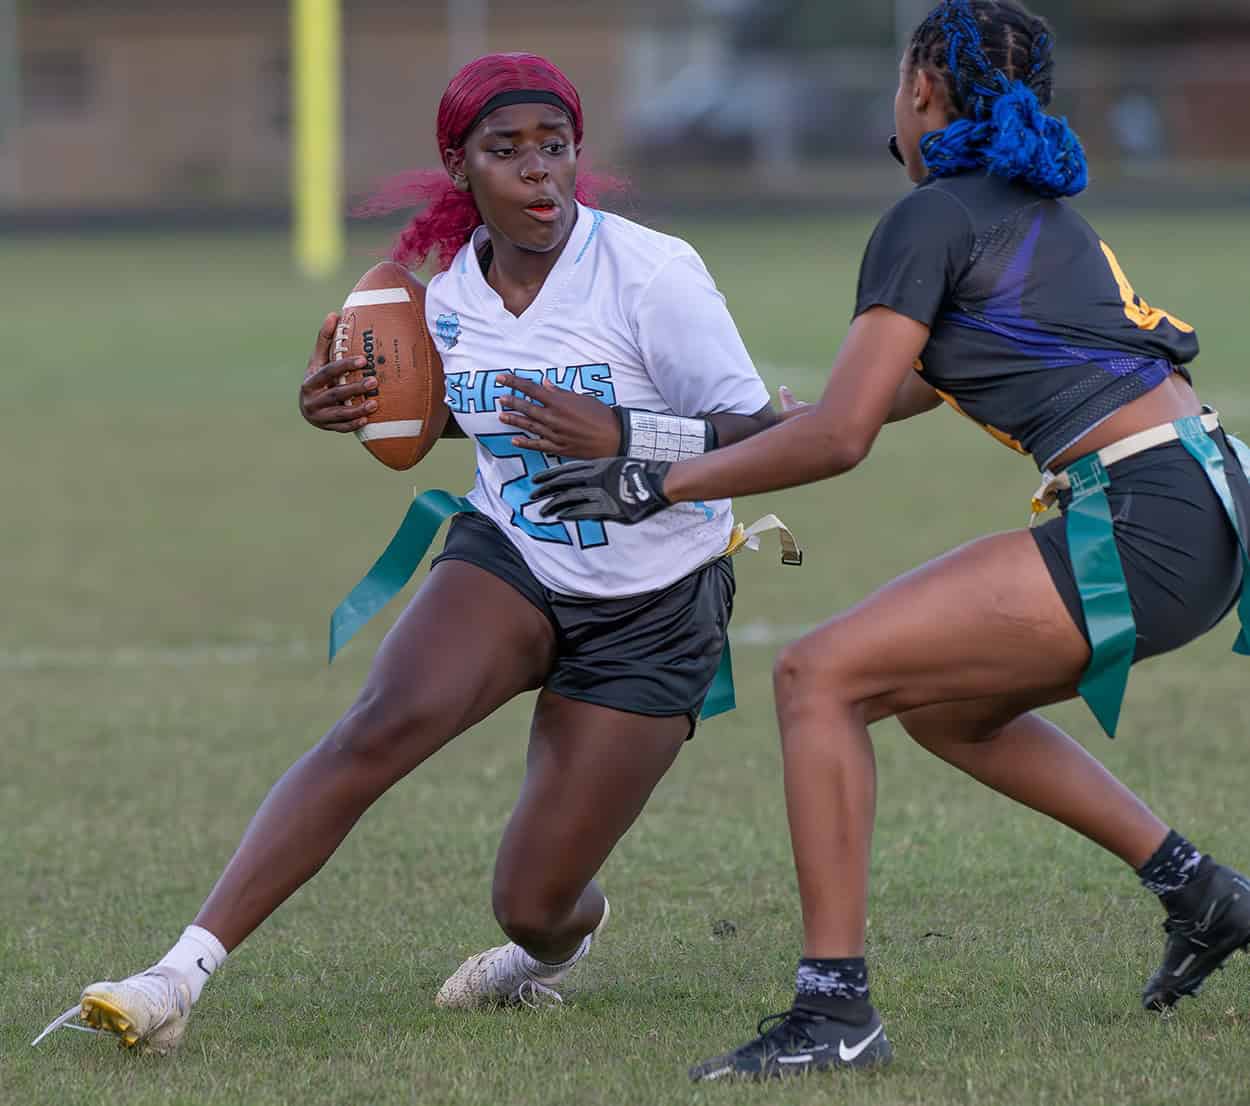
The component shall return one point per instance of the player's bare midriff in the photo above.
(1171, 400)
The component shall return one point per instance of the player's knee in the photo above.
(384, 725)
(804, 666)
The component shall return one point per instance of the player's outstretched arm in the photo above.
(832, 437)
(731, 428)
(561, 423)
(819, 441)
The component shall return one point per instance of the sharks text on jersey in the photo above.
(478, 391)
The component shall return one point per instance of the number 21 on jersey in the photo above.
(516, 494)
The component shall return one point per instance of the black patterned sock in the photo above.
(837, 988)
(1173, 865)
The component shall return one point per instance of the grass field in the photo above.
(174, 540)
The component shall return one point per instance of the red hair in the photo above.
(449, 217)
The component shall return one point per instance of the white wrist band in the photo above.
(647, 436)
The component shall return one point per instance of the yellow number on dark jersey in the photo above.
(1139, 312)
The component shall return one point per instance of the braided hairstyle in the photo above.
(995, 58)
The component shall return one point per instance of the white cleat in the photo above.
(499, 977)
(148, 1011)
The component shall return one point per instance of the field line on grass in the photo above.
(205, 655)
(761, 633)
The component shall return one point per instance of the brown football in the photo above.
(383, 320)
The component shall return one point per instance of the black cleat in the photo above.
(1208, 920)
(798, 1041)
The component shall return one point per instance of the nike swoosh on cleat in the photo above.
(846, 1055)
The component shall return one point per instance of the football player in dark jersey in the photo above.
(984, 289)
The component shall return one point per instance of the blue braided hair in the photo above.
(996, 60)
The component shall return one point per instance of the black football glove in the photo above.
(617, 489)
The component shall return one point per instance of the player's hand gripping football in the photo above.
(559, 422)
(323, 401)
(617, 490)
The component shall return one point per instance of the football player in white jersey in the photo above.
(565, 333)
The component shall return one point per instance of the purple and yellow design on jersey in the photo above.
(1036, 332)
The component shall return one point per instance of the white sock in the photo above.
(196, 956)
(543, 970)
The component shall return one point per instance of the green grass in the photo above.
(174, 539)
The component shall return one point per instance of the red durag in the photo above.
(449, 217)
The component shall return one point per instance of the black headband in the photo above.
(517, 96)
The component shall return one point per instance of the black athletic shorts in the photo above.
(653, 654)
(1180, 554)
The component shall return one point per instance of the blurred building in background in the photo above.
(157, 106)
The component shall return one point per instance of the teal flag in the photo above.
(392, 571)
(721, 697)
(1103, 590)
(399, 560)
(1100, 575)
(1204, 450)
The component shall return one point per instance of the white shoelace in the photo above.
(66, 1021)
(504, 969)
(154, 985)
(533, 994)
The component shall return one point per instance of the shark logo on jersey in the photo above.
(448, 329)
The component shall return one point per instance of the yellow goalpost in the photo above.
(317, 154)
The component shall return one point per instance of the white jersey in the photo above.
(631, 317)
